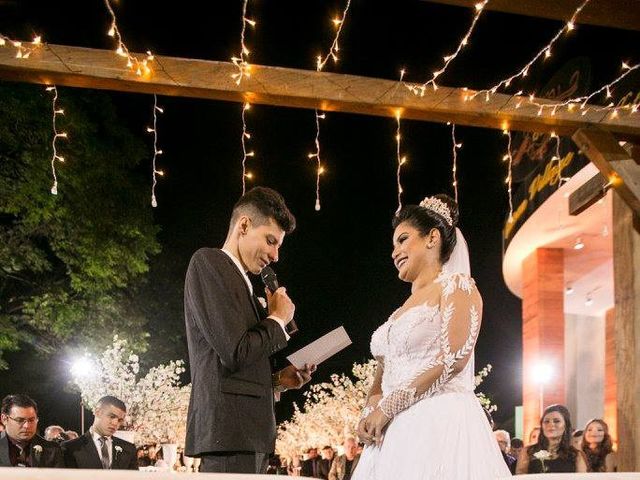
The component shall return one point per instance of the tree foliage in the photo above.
(69, 263)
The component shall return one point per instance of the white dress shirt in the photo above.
(250, 286)
(96, 440)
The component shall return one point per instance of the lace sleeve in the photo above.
(461, 311)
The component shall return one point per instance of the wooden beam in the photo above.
(623, 14)
(626, 273)
(587, 194)
(103, 69)
(614, 163)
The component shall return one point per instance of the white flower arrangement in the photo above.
(332, 410)
(156, 403)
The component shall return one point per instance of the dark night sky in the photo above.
(337, 264)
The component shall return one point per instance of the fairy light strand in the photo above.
(245, 154)
(320, 64)
(545, 51)
(244, 68)
(156, 151)
(140, 67)
(56, 135)
(22, 51)
(455, 146)
(420, 89)
(509, 180)
(584, 100)
(400, 159)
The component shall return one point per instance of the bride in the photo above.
(422, 420)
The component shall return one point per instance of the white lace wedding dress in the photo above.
(439, 430)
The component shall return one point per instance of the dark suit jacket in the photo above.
(81, 452)
(231, 405)
(307, 469)
(50, 457)
(324, 468)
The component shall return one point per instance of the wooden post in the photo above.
(542, 331)
(626, 270)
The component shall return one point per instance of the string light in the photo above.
(400, 159)
(545, 51)
(244, 68)
(584, 100)
(56, 135)
(455, 147)
(245, 154)
(320, 64)
(22, 51)
(509, 180)
(420, 89)
(140, 67)
(156, 151)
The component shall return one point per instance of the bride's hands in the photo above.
(370, 429)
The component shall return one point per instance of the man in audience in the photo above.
(504, 442)
(71, 434)
(20, 446)
(326, 460)
(311, 466)
(98, 448)
(344, 465)
(52, 432)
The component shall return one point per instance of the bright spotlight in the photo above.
(81, 367)
(542, 373)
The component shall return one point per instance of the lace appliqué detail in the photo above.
(402, 398)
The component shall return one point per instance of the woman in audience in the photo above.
(598, 447)
(553, 452)
(534, 435)
(576, 439)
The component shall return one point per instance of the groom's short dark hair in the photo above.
(113, 401)
(262, 204)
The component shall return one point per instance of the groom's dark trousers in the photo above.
(231, 420)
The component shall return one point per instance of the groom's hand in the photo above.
(280, 305)
(290, 377)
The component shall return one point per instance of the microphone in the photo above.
(270, 280)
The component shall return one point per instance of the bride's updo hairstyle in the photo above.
(439, 211)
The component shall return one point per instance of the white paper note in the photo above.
(321, 349)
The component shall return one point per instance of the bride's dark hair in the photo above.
(425, 219)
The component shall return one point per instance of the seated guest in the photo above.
(52, 433)
(553, 452)
(598, 447)
(533, 436)
(98, 448)
(326, 460)
(71, 434)
(516, 447)
(504, 442)
(20, 446)
(344, 465)
(576, 439)
(311, 466)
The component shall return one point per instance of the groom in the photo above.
(231, 421)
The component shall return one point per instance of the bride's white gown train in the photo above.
(445, 434)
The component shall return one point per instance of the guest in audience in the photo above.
(504, 442)
(576, 439)
(52, 432)
(343, 466)
(553, 452)
(534, 435)
(311, 466)
(326, 460)
(20, 445)
(98, 448)
(143, 457)
(598, 447)
(72, 434)
(516, 447)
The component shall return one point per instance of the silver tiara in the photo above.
(438, 206)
